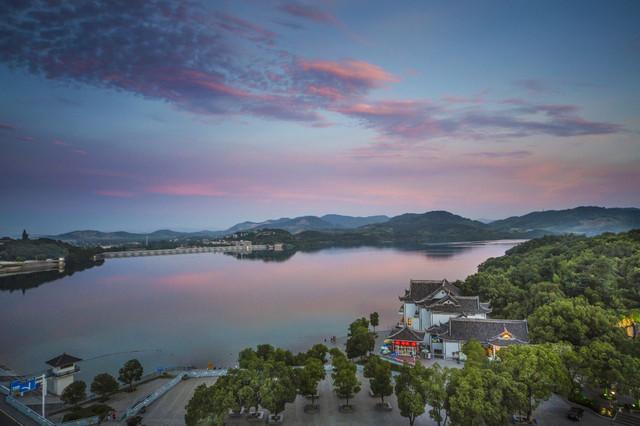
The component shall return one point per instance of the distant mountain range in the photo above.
(430, 227)
(309, 223)
(580, 220)
(293, 225)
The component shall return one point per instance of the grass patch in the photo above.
(83, 412)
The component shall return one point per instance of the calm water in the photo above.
(200, 308)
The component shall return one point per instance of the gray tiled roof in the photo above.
(486, 330)
(407, 334)
(63, 360)
(457, 304)
(420, 289)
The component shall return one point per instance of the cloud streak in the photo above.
(308, 12)
(423, 120)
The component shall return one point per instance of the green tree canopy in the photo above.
(374, 319)
(539, 368)
(104, 384)
(74, 393)
(475, 353)
(309, 376)
(411, 392)
(477, 396)
(360, 340)
(436, 392)
(209, 405)
(570, 320)
(379, 374)
(345, 381)
(130, 372)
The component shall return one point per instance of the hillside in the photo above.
(44, 248)
(409, 229)
(293, 225)
(309, 223)
(430, 227)
(580, 220)
(603, 269)
(122, 237)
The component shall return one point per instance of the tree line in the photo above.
(576, 292)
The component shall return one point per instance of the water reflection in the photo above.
(193, 309)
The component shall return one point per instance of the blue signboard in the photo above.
(24, 386)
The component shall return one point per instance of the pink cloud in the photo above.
(308, 12)
(116, 193)
(5, 126)
(325, 92)
(186, 189)
(26, 139)
(60, 143)
(360, 73)
(79, 151)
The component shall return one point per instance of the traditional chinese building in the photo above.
(407, 342)
(438, 319)
(61, 374)
(494, 334)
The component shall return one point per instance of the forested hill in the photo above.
(581, 294)
(604, 270)
(579, 220)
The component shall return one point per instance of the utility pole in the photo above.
(43, 387)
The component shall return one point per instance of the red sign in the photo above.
(404, 343)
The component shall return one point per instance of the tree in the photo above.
(436, 391)
(103, 385)
(248, 358)
(475, 353)
(278, 387)
(374, 319)
(209, 405)
(379, 374)
(25, 236)
(308, 378)
(345, 381)
(411, 392)
(570, 320)
(360, 340)
(130, 372)
(538, 367)
(411, 404)
(603, 365)
(318, 351)
(74, 393)
(478, 396)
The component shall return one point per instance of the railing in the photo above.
(135, 408)
(28, 411)
(89, 421)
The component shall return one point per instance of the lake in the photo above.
(200, 308)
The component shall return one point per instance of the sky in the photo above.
(188, 115)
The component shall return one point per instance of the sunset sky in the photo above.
(136, 116)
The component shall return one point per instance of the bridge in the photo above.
(243, 248)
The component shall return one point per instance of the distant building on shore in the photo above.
(438, 320)
(62, 372)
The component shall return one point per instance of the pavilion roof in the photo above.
(407, 334)
(63, 360)
(500, 332)
(424, 289)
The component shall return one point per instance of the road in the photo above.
(9, 416)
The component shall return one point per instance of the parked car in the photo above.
(575, 414)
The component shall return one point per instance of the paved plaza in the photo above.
(170, 409)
